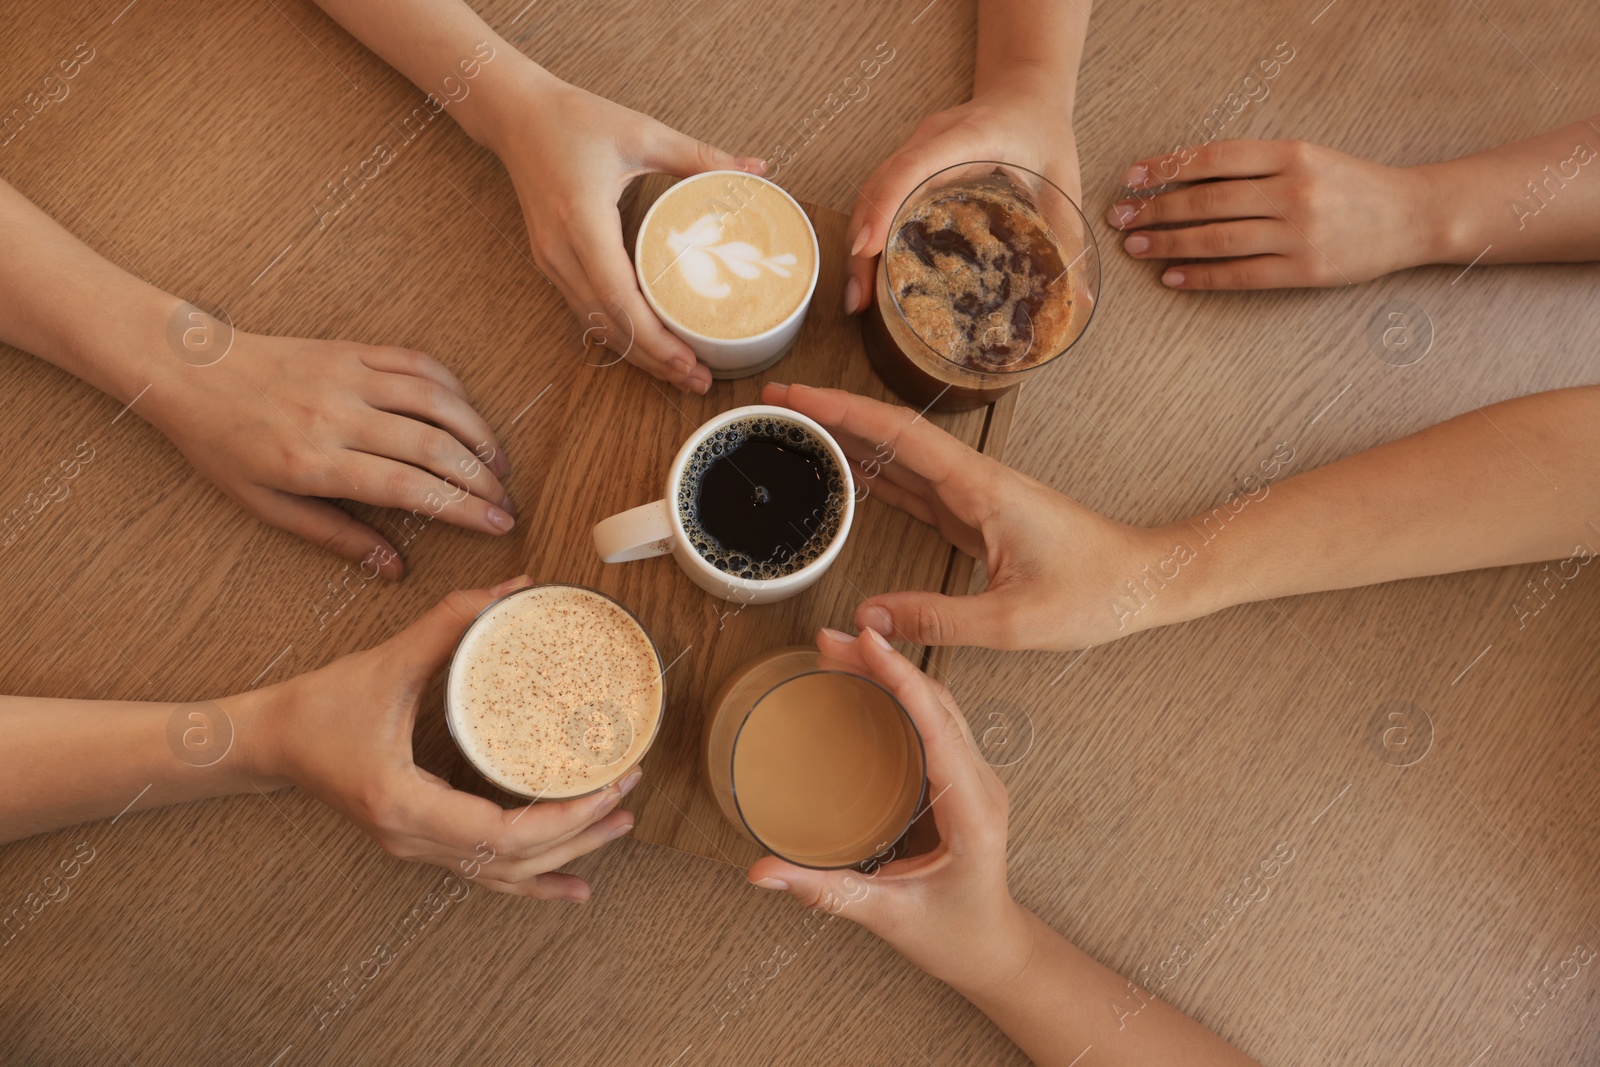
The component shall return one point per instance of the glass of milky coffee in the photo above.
(728, 260)
(554, 692)
(990, 273)
(822, 768)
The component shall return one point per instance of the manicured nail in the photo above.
(1173, 278)
(618, 831)
(500, 520)
(1122, 214)
(771, 883)
(1136, 176)
(852, 293)
(876, 618)
(629, 782)
(1137, 245)
(837, 635)
(861, 239)
(877, 638)
(511, 585)
(753, 166)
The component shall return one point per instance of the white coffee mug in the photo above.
(656, 529)
(737, 357)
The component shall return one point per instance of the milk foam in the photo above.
(727, 255)
(554, 692)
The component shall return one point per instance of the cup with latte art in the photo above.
(728, 261)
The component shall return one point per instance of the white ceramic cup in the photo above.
(742, 356)
(656, 529)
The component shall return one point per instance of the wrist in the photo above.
(496, 111)
(1446, 221)
(1001, 959)
(1038, 89)
(257, 717)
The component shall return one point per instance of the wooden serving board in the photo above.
(620, 431)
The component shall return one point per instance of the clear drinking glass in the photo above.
(941, 345)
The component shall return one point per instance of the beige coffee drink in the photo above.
(554, 692)
(726, 255)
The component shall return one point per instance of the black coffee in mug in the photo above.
(761, 498)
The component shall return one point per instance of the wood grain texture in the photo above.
(1147, 777)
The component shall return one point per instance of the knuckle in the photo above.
(1218, 240)
(933, 625)
(403, 484)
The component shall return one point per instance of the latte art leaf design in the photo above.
(697, 253)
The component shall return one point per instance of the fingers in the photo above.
(459, 822)
(334, 529)
(390, 484)
(597, 242)
(959, 781)
(1194, 203)
(409, 441)
(1219, 159)
(1252, 272)
(845, 893)
(967, 481)
(982, 620)
(1249, 237)
(429, 641)
(542, 887)
(679, 154)
(606, 830)
(426, 397)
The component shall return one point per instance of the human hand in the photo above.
(948, 911)
(281, 423)
(571, 154)
(1276, 214)
(1010, 123)
(1054, 566)
(343, 734)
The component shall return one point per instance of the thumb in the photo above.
(982, 620)
(426, 644)
(681, 155)
(842, 892)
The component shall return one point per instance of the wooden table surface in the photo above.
(1148, 777)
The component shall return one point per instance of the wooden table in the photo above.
(1147, 777)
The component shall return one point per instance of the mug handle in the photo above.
(643, 532)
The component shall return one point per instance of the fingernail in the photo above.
(753, 166)
(1122, 214)
(701, 385)
(877, 638)
(837, 635)
(681, 364)
(507, 503)
(618, 831)
(1138, 244)
(876, 618)
(511, 584)
(579, 896)
(500, 520)
(1173, 278)
(1136, 176)
(852, 293)
(780, 390)
(771, 883)
(629, 782)
(861, 239)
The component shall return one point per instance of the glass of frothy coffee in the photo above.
(728, 260)
(990, 273)
(822, 768)
(554, 692)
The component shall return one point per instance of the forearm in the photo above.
(1517, 482)
(1535, 200)
(68, 306)
(71, 761)
(1062, 1003)
(1037, 40)
(445, 49)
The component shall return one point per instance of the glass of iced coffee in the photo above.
(989, 274)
